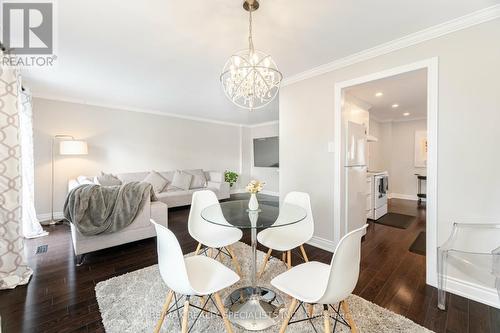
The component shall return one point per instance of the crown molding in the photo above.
(460, 23)
(267, 123)
(59, 98)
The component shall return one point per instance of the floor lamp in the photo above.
(67, 146)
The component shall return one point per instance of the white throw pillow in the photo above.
(85, 180)
(157, 180)
(181, 180)
(107, 179)
(198, 180)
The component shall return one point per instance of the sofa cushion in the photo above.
(156, 180)
(181, 180)
(132, 177)
(198, 180)
(107, 179)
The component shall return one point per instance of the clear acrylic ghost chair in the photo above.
(317, 283)
(290, 237)
(473, 252)
(209, 235)
(192, 276)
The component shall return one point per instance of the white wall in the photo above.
(124, 141)
(395, 152)
(468, 118)
(268, 175)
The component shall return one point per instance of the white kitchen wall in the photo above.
(395, 152)
(468, 118)
(268, 175)
(124, 141)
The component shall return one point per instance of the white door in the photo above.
(356, 197)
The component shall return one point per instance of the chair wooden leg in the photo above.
(348, 316)
(222, 311)
(289, 259)
(164, 311)
(211, 252)
(236, 264)
(310, 310)
(289, 314)
(185, 316)
(266, 259)
(326, 320)
(304, 253)
(198, 248)
(283, 257)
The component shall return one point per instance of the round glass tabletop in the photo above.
(269, 215)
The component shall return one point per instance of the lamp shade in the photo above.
(73, 147)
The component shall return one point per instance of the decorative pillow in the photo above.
(198, 180)
(107, 179)
(182, 180)
(157, 180)
(85, 180)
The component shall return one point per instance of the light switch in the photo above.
(331, 146)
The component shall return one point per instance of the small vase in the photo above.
(253, 204)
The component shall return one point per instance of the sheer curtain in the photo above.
(31, 227)
(13, 268)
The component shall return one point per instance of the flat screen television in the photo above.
(266, 152)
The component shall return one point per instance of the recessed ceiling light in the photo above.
(406, 114)
(395, 106)
(379, 94)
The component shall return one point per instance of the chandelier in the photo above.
(250, 78)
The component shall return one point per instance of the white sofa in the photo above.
(141, 227)
(174, 197)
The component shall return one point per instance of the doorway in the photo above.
(428, 68)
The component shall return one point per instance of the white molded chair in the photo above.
(192, 276)
(287, 238)
(317, 283)
(212, 236)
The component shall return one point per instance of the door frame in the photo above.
(431, 65)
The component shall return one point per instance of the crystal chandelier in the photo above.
(250, 78)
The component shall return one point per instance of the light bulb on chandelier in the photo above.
(250, 78)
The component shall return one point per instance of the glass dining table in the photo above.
(253, 307)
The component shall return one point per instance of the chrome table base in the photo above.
(254, 311)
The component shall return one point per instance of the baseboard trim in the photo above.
(475, 292)
(46, 216)
(402, 196)
(322, 243)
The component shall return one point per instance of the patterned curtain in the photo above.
(13, 268)
(31, 227)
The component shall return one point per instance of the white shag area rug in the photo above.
(132, 303)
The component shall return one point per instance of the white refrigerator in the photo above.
(355, 176)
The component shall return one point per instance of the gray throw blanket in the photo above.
(95, 209)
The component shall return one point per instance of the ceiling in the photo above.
(166, 55)
(408, 90)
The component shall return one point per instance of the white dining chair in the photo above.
(285, 239)
(317, 283)
(212, 236)
(199, 276)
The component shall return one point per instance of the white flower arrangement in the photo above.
(255, 186)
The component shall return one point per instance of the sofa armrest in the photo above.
(221, 187)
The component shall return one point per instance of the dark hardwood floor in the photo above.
(60, 296)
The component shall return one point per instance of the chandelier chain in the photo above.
(250, 39)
